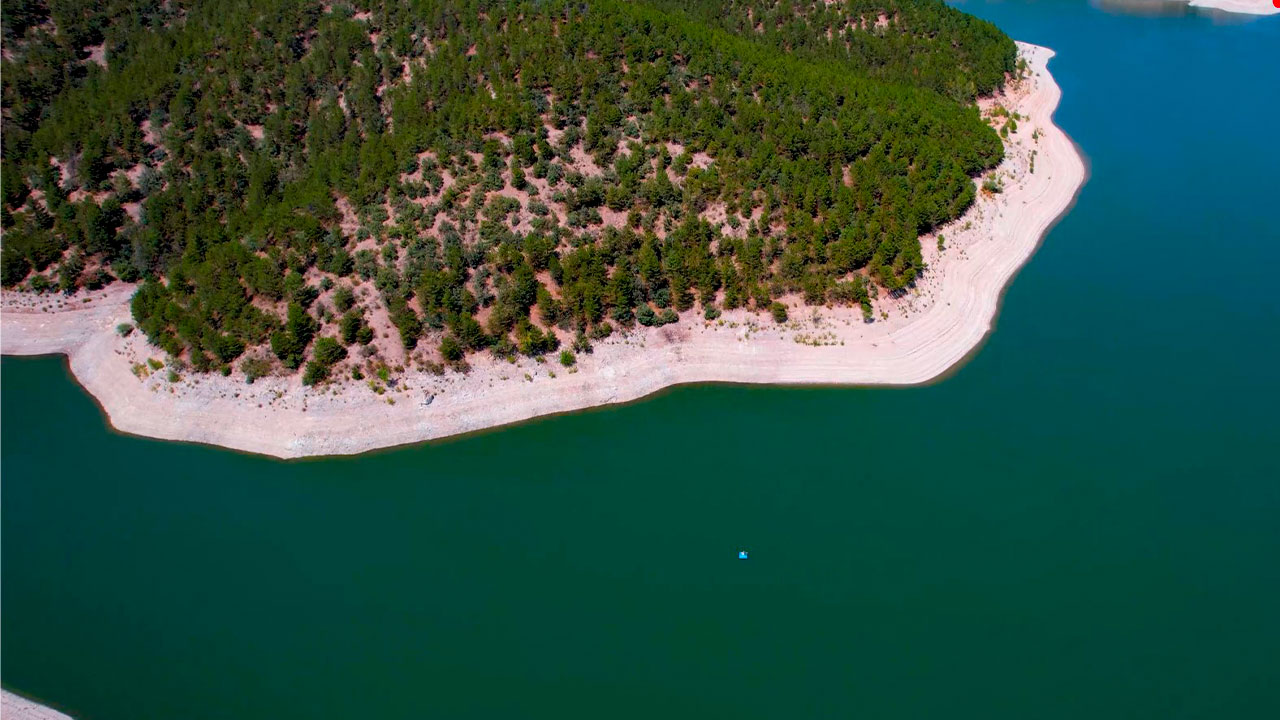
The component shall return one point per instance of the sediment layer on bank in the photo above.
(913, 339)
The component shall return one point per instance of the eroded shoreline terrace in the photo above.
(942, 316)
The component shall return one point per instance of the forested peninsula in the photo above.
(356, 201)
(482, 174)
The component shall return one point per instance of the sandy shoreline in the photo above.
(935, 326)
(1242, 7)
(16, 707)
(1156, 8)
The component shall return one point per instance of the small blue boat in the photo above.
(742, 554)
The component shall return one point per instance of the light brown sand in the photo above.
(926, 332)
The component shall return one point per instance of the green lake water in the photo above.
(1082, 522)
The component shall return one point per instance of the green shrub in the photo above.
(315, 373)
(328, 351)
(41, 284)
(451, 349)
(778, 311)
(645, 316)
(349, 326)
(255, 366)
(343, 298)
(600, 331)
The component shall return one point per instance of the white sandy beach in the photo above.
(13, 707)
(1242, 7)
(934, 327)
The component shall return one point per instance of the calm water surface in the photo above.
(1082, 522)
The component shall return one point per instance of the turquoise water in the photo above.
(1081, 522)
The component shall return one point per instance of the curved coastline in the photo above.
(920, 337)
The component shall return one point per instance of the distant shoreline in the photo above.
(921, 336)
(1241, 7)
(1154, 8)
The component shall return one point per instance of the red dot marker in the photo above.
(1276, 3)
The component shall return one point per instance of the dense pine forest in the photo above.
(293, 184)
